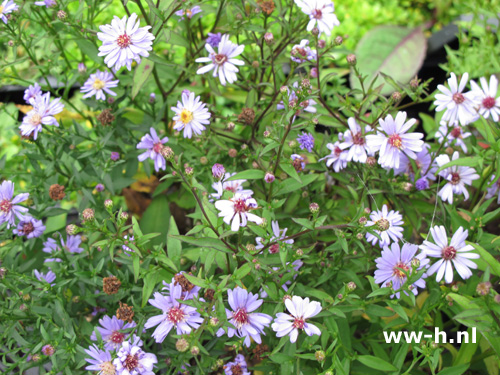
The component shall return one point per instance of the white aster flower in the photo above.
(191, 115)
(234, 186)
(222, 62)
(355, 142)
(387, 226)
(338, 157)
(457, 254)
(7, 6)
(124, 41)
(321, 14)
(454, 136)
(459, 106)
(97, 84)
(302, 52)
(278, 236)
(457, 177)
(494, 189)
(236, 211)
(43, 113)
(485, 97)
(392, 140)
(300, 310)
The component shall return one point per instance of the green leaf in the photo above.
(251, 174)
(376, 363)
(290, 170)
(208, 242)
(455, 370)
(156, 219)
(149, 285)
(141, 75)
(393, 50)
(89, 49)
(471, 161)
(174, 245)
(242, 271)
(486, 260)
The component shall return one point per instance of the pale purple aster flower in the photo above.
(7, 6)
(422, 184)
(43, 113)
(46, 3)
(218, 171)
(72, 244)
(302, 52)
(236, 211)
(246, 322)
(50, 247)
(306, 141)
(115, 156)
(191, 115)
(393, 264)
(320, 13)
(9, 208)
(337, 158)
(300, 310)
(29, 227)
(457, 253)
(214, 39)
(124, 41)
(132, 360)
(278, 235)
(422, 162)
(189, 13)
(82, 68)
(32, 92)
(392, 141)
(234, 186)
(388, 225)
(454, 136)
(459, 106)
(97, 310)
(298, 162)
(176, 315)
(125, 248)
(354, 141)
(494, 189)
(154, 146)
(111, 331)
(485, 98)
(98, 84)
(100, 361)
(456, 176)
(222, 62)
(99, 188)
(306, 105)
(48, 277)
(237, 367)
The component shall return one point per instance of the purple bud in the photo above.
(269, 177)
(218, 171)
(152, 98)
(115, 156)
(82, 68)
(314, 72)
(422, 184)
(99, 187)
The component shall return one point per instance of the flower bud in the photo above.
(230, 126)
(299, 252)
(269, 38)
(483, 289)
(338, 40)
(371, 161)
(315, 31)
(214, 321)
(250, 247)
(182, 345)
(204, 160)
(314, 208)
(167, 153)
(189, 171)
(218, 171)
(72, 229)
(497, 298)
(351, 59)
(263, 224)
(232, 153)
(3, 273)
(195, 350)
(320, 355)
(321, 44)
(283, 89)
(82, 68)
(414, 83)
(396, 96)
(152, 98)
(266, 134)
(108, 203)
(115, 156)
(269, 177)
(61, 15)
(255, 64)
(48, 350)
(351, 286)
(415, 263)
(362, 220)
(88, 214)
(124, 216)
(99, 188)
(286, 296)
(314, 72)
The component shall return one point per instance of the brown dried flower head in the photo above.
(125, 312)
(111, 285)
(181, 280)
(247, 116)
(56, 192)
(267, 6)
(106, 117)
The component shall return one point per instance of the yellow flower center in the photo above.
(186, 116)
(36, 119)
(189, 13)
(1, 9)
(98, 84)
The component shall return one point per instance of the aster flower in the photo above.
(457, 177)
(124, 41)
(189, 13)
(305, 106)
(97, 84)
(7, 6)
(246, 322)
(354, 141)
(337, 158)
(459, 106)
(278, 236)
(485, 97)
(387, 226)
(235, 186)
(50, 247)
(302, 52)
(306, 141)
(454, 136)
(176, 315)
(132, 360)
(100, 361)
(218, 171)
(43, 113)
(223, 61)
(46, 3)
(115, 156)
(393, 264)
(300, 310)
(32, 92)
(214, 39)
(298, 162)
(494, 189)
(154, 146)
(320, 13)
(392, 141)
(422, 162)
(9, 208)
(455, 254)
(29, 227)
(72, 244)
(111, 331)
(191, 115)
(236, 211)
(48, 277)
(237, 367)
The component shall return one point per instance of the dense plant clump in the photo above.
(198, 187)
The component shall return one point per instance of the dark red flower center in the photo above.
(337, 151)
(455, 178)
(456, 132)
(240, 206)
(299, 323)
(449, 253)
(240, 316)
(300, 51)
(123, 41)
(316, 13)
(175, 315)
(399, 270)
(458, 98)
(273, 249)
(395, 141)
(158, 147)
(5, 205)
(358, 139)
(489, 102)
(117, 337)
(236, 370)
(220, 59)
(28, 228)
(297, 164)
(231, 188)
(131, 362)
